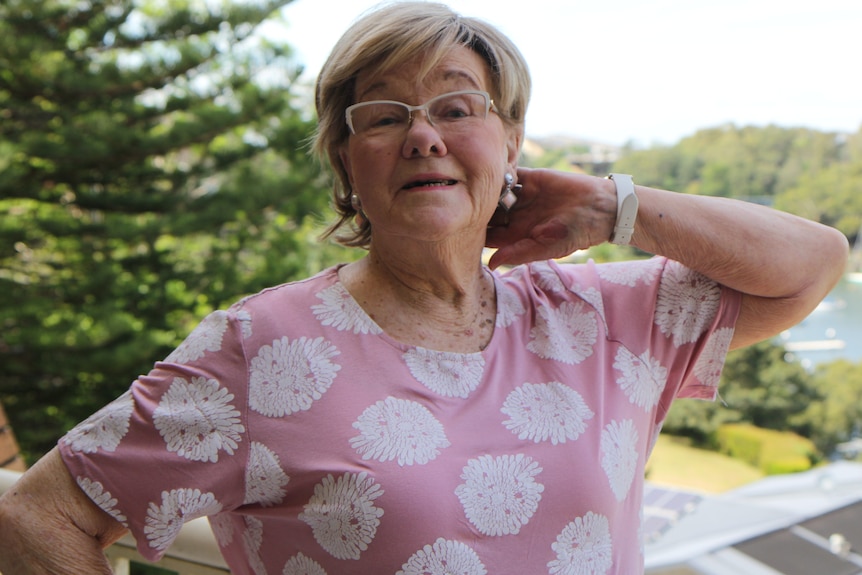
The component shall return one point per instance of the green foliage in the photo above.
(832, 196)
(771, 451)
(838, 416)
(152, 169)
(770, 391)
(757, 386)
(754, 163)
(147, 569)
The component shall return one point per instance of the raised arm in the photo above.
(48, 525)
(784, 265)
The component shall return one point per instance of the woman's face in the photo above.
(424, 181)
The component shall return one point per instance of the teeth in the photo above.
(431, 183)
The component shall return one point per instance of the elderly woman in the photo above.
(415, 411)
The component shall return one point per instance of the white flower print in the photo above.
(105, 428)
(164, 521)
(207, 336)
(197, 420)
(566, 334)
(687, 303)
(546, 411)
(289, 376)
(500, 494)
(708, 367)
(252, 539)
(222, 528)
(447, 373)
(620, 455)
(583, 547)
(509, 306)
(629, 273)
(398, 429)
(341, 311)
(104, 499)
(642, 377)
(546, 278)
(264, 477)
(299, 564)
(342, 514)
(444, 558)
(594, 297)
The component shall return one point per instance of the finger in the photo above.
(497, 237)
(522, 251)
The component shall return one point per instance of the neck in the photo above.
(439, 303)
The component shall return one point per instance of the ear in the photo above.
(513, 146)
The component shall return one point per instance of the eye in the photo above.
(388, 118)
(379, 116)
(453, 108)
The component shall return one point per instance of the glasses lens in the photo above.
(453, 111)
(380, 117)
(457, 109)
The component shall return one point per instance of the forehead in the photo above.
(457, 69)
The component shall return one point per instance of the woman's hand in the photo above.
(557, 213)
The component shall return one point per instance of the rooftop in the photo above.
(806, 523)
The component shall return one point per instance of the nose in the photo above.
(422, 138)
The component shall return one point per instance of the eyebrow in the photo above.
(448, 74)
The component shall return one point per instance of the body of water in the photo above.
(832, 331)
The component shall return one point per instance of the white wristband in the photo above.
(627, 209)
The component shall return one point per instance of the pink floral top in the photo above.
(316, 444)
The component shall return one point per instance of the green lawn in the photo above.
(674, 463)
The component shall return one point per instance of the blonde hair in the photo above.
(385, 39)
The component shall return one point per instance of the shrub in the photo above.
(773, 452)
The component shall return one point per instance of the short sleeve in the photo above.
(666, 314)
(174, 446)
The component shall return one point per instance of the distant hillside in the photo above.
(569, 153)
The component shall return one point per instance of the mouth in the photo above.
(430, 183)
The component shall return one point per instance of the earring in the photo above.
(508, 196)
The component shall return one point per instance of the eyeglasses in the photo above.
(450, 112)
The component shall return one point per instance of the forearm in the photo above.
(43, 553)
(751, 248)
(783, 263)
(49, 526)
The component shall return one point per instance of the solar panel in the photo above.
(663, 507)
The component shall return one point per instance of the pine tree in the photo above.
(152, 168)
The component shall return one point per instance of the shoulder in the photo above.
(552, 281)
(290, 293)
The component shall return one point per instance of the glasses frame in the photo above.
(489, 106)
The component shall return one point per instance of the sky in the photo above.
(654, 71)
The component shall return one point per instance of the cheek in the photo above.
(368, 162)
(489, 160)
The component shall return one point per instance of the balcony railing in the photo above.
(193, 553)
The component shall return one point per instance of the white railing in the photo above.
(193, 553)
